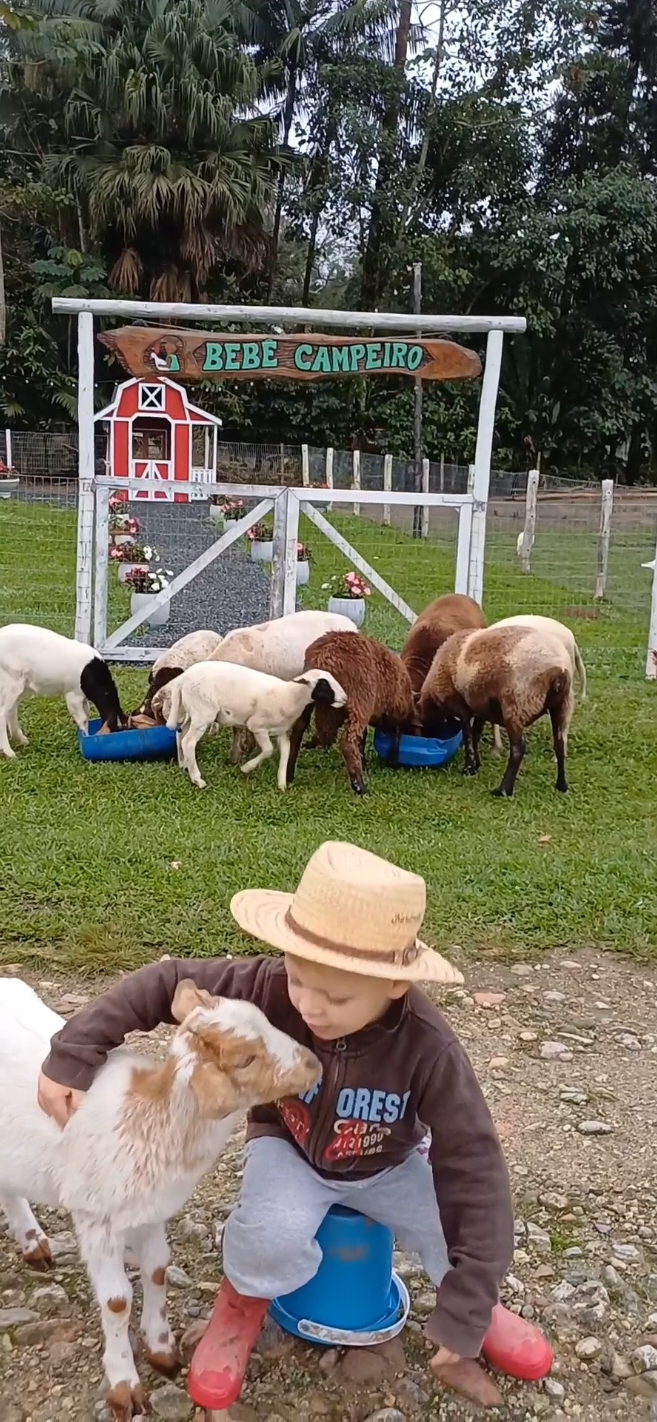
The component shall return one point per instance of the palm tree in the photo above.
(161, 139)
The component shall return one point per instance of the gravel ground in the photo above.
(565, 1051)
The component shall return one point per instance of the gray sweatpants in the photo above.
(269, 1245)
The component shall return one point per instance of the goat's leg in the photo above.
(152, 1250)
(516, 753)
(188, 744)
(5, 747)
(103, 1254)
(296, 736)
(351, 744)
(79, 710)
(27, 1231)
(471, 766)
(264, 740)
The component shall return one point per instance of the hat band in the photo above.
(401, 957)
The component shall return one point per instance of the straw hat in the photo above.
(352, 911)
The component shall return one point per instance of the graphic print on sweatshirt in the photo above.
(363, 1119)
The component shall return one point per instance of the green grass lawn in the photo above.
(105, 867)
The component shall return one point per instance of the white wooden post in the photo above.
(463, 548)
(291, 540)
(651, 660)
(329, 474)
(442, 473)
(102, 568)
(426, 469)
(387, 487)
(277, 584)
(356, 477)
(526, 538)
(8, 448)
(305, 466)
(85, 537)
(606, 510)
(471, 473)
(482, 462)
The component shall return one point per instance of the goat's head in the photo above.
(149, 706)
(235, 1057)
(324, 689)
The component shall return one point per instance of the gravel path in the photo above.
(565, 1051)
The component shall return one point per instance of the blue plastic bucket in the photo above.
(354, 1298)
(419, 751)
(152, 743)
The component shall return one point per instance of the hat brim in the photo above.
(263, 914)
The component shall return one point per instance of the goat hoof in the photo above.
(38, 1256)
(166, 1361)
(126, 1401)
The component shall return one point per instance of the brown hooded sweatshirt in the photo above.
(379, 1092)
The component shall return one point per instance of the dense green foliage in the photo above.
(309, 152)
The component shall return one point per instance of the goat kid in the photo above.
(131, 1156)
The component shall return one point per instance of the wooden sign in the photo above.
(195, 355)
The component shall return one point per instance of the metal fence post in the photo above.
(356, 477)
(426, 471)
(482, 462)
(387, 487)
(101, 578)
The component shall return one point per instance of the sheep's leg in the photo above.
(477, 731)
(296, 736)
(27, 1231)
(15, 731)
(188, 744)
(517, 751)
(78, 709)
(103, 1254)
(152, 1250)
(283, 758)
(471, 765)
(264, 740)
(351, 751)
(242, 743)
(560, 719)
(5, 747)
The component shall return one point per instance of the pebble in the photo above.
(489, 999)
(498, 1063)
(177, 1278)
(62, 1244)
(563, 1291)
(554, 996)
(588, 1348)
(50, 1299)
(628, 1253)
(572, 1094)
(619, 1368)
(48, 1330)
(556, 1052)
(594, 1128)
(386, 1414)
(573, 1252)
(527, 1035)
(538, 1237)
(12, 1413)
(522, 970)
(272, 1341)
(613, 1279)
(171, 1403)
(552, 1201)
(644, 1360)
(631, 1043)
(643, 1385)
(553, 1388)
(11, 1317)
(192, 1229)
(424, 1303)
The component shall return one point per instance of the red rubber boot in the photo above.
(222, 1357)
(514, 1346)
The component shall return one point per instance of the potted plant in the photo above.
(144, 583)
(131, 555)
(303, 564)
(122, 527)
(232, 509)
(347, 595)
(218, 508)
(262, 544)
(8, 480)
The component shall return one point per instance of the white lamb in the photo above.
(34, 659)
(556, 629)
(232, 695)
(131, 1156)
(192, 648)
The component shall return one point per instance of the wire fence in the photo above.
(414, 551)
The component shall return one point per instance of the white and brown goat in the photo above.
(132, 1154)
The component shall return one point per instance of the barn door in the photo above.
(159, 469)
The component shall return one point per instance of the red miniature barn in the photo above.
(155, 433)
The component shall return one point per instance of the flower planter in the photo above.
(159, 617)
(262, 552)
(303, 572)
(119, 539)
(353, 607)
(217, 515)
(125, 568)
(8, 487)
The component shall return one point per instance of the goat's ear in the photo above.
(188, 996)
(215, 1095)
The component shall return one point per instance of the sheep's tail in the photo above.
(582, 671)
(174, 718)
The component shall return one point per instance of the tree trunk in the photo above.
(3, 304)
(379, 221)
(288, 115)
(318, 178)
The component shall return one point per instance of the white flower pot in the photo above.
(217, 515)
(262, 552)
(119, 539)
(303, 572)
(159, 617)
(353, 607)
(8, 487)
(125, 568)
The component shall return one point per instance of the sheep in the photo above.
(233, 695)
(379, 693)
(38, 660)
(454, 612)
(511, 675)
(130, 1157)
(557, 629)
(194, 647)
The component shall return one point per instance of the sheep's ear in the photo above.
(188, 996)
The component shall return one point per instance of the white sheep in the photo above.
(229, 695)
(34, 659)
(193, 647)
(130, 1157)
(553, 628)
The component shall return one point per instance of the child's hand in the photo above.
(58, 1102)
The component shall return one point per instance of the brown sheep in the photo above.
(379, 693)
(452, 613)
(508, 675)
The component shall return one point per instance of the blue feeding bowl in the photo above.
(355, 1299)
(418, 751)
(155, 743)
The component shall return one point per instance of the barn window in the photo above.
(151, 439)
(151, 397)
